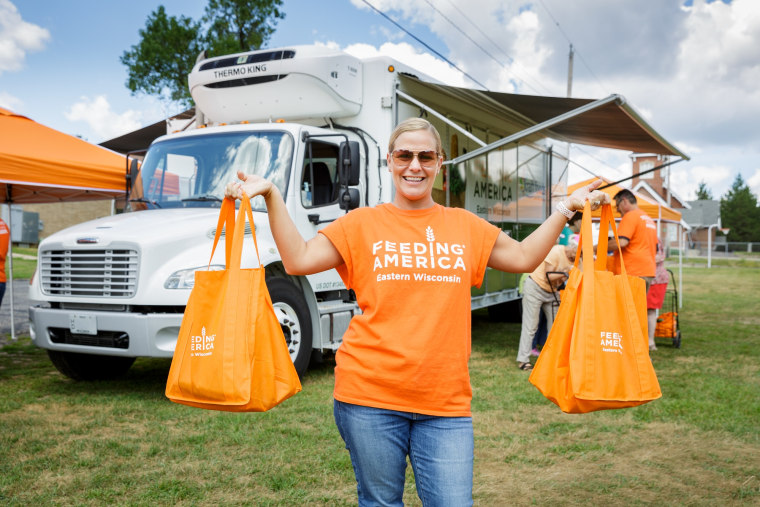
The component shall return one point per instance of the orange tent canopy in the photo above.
(655, 210)
(39, 164)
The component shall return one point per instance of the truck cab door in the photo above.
(318, 184)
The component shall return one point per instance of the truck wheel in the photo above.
(88, 366)
(293, 313)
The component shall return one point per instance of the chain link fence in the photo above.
(720, 248)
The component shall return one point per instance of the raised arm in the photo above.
(524, 256)
(300, 257)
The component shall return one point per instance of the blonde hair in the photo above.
(412, 124)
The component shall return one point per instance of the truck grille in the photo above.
(99, 273)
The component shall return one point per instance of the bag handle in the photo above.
(226, 221)
(608, 222)
(586, 239)
(234, 231)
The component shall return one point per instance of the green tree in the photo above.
(240, 25)
(703, 193)
(160, 63)
(169, 46)
(740, 213)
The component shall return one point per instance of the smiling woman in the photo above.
(402, 385)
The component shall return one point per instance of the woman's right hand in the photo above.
(251, 184)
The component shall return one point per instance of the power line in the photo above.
(426, 45)
(597, 159)
(511, 60)
(475, 42)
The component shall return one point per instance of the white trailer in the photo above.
(316, 122)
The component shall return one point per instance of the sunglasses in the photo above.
(403, 158)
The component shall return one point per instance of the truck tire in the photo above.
(293, 313)
(89, 366)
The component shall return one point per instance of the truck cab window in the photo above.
(182, 172)
(319, 177)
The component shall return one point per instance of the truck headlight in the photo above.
(185, 278)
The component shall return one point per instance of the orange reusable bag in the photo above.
(231, 353)
(666, 325)
(596, 356)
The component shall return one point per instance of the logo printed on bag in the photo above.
(612, 342)
(202, 345)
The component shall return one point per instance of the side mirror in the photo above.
(134, 168)
(348, 198)
(349, 164)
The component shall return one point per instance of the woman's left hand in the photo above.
(597, 198)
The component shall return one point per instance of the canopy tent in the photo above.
(39, 165)
(655, 210)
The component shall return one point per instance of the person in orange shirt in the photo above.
(402, 386)
(5, 236)
(638, 238)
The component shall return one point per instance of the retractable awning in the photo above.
(141, 138)
(606, 123)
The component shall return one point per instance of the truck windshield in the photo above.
(191, 172)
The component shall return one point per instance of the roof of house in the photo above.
(702, 213)
(643, 185)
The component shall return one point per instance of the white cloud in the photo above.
(589, 161)
(754, 183)
(104, 122)
(685, 179)
(391, 35)
(405, 53)
(17, 37)
(11, 102)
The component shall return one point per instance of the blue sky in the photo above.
(691, 69)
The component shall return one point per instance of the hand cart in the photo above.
(667, 321)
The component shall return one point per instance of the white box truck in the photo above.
(315, 121)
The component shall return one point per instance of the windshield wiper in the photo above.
(202, 198)
(142, 199)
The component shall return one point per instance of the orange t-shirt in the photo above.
(641, 232)
(412, 271)
(5, 236)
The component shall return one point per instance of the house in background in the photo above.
(704, 219)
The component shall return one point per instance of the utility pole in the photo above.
(570, 73)
(569, 91)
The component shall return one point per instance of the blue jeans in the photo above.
(441, 450)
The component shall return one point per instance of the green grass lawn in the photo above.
(122, 442)
(23, 268)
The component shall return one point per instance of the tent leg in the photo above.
(10, 268)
